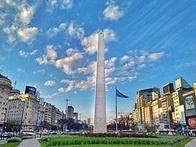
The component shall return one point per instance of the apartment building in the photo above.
(23, 109)
(143, 104)
(179, 111)
(48, 112)
(70, 112)
(5, 87)
(156, 112)
(174, 106)
(167, 109)
(15, 109)
(52, 114)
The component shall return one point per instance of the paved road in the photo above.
(192, 143)
(30, 143)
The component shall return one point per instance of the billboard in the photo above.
(30, 90)
(189, 102)
(191, 122)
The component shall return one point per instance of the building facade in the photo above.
(174, 107)
(23, 109)
(5, 88)
(52, 114)
(70, 112)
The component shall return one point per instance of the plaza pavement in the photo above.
(30, 143)
(192, 143)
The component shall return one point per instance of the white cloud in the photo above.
(71, 51)
(49, 83)
(112, 12)
(72, 29)
(59, 4)
(67, 4)
(2, 18)
(61, 90)
(26, 14)
(50, 56)
(2, 3)
(110, 66)
(89, 69)
(109, 35)
(54, 31)
(11, 33)
(88, 83)
(155, 56)
(20, 70)
(27, 34)
(41, 71)
(5, 3)
(124, 58)
(69, 64)
(26, 54)
(24, 34)
(75, 31)
(90, 43)
(16, 25)
(142, 59)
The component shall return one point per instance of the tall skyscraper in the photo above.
(100, 102)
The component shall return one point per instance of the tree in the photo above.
(134, 126)
(13, 126)
(47, 125)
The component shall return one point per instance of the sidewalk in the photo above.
(30, 143)
(192, 143)
(3, 141)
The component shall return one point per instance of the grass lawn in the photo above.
(11, 144)
(80, 141)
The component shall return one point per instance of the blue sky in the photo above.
(52, 45)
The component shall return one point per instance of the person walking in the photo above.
(40, 134)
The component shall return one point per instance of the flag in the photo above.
(119, 94)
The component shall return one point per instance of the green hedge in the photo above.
(14, 139)
(79, 140)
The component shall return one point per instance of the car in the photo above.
(5, 135)
(30, 133)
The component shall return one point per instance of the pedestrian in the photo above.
(40, 134)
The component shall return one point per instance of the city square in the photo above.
(97, 73)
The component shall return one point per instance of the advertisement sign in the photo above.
(30, 90)
(191, 122)
(189, 102)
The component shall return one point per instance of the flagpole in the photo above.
(116, 111)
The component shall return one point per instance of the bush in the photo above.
(14, 139)
(81, 140)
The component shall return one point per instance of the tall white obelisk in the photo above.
(100, 102)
